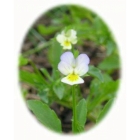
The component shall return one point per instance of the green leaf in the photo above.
(45, 115)
(54, 53)
(81, 111)
(32, 78)
(110, 63)
(43, 96)
(107, 77)
(76, 53)
(55, 74)
(102, 92)
(23, 61)
(111, 46)
(104, 110)
(24, 93)
(59, 90)
(38, 73)
(95, 72)
(95, 84)
(79, 13)
(46, 73)
(47, 30)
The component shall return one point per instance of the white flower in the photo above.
(73, 68)
(66, 39)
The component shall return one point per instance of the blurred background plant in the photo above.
(40, 78)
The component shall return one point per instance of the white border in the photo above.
(113, 13)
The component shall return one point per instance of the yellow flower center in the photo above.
(73, 77)
(67, 43)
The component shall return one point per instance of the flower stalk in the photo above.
(74, 110)
(73, 66)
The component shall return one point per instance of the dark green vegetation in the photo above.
(40, 78)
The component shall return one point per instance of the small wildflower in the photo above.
(73, 68)
(66, 39)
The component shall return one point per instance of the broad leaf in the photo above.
(45, 115)
(81, 111)
(95, 72)
(104, 110)
(59, 90)
(45, 30)
(54, 53)
(111, 46)
(110, 63)
(102, 92)
(43, 96)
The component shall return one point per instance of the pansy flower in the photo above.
(73, 68)
(67, 38)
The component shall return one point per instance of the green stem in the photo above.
(73, 49)
(74, 110)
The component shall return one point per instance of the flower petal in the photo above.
(68, 58)
(65, 68)
(67, 48)
(73, 40)
(82, 58)
(72, 37)
(67, 81)
(60, 38)
(73, 32)
(70, 33)
(81, 69)
(63, 32)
